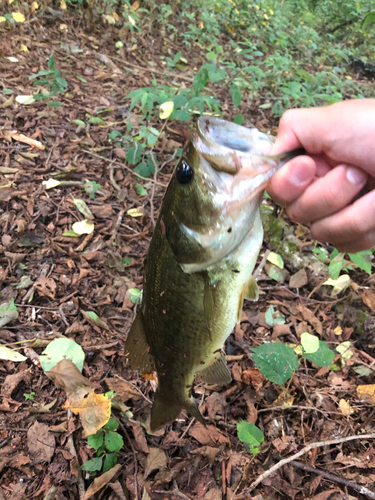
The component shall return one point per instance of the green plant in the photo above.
(250, 435)
(30, 396)
(107, 443)
(53, 80)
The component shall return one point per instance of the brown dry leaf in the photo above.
(67, 376)
(46, 286)
(213, 494)
(299, 279)
(208, 436)
(310, 317)
(101, 481)
(156, 459)
(206, 451)
(22, 138)
(368, 297)
(123, 388)
(139, 436)
(7, 193)
(214, 405)
(252, 376)
(366, 393)
(345, 407)
(41, 442)
(94, 410)
(12, 381)
(103, 211)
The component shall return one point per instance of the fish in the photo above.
(199, 265)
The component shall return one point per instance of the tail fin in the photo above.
(164, 411)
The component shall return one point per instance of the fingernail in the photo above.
(356, 176)
(300, 174)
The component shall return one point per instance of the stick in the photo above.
(307, 448)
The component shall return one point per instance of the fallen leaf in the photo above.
(208, 436)
(8, 312)
(25, 99)
(27, 140)
(368, 297)
(345, 407)
(46, 286)
(206, 451)
(93, 409)
(139, 436)
(339, 285)
(156, 459)
(51, 183)
(83, 227)
(136, 212)
(68, 377)
(299, 279)
(11, 355)
(346, 351)
(366, 393)
(213, 494)
(252, 376)
(41, 442)
(101, 481)
(124, 389)
(285, 399)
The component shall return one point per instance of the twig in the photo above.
(123, 166)
(43, 274)
(117, 225)
(307, 448)
(112, 179)
(175, 492)
(298, 407)
(261, 265)
(136, 388)
(186, 430)
(349, 484)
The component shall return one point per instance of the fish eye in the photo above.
(184, 173)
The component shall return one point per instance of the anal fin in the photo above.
(137, 350)
(217, 372)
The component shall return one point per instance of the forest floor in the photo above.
(53, 278)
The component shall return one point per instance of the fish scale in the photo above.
(200, 262)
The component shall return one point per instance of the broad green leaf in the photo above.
(83, 208)
(8, 312)
(95, 440)
(181, 114)
(110, 461)
(276, 259)
(112, 424)
(134, 295)
(140, 190)
(10, 354)
(322, 357)
(275, 361)
(60, 349)
(337, 263)
(134, 154)
(236, 94)
(113, 441)
(362, 260)
(93, 465)
(363, 371)
(251, 435)
(274, 317)
(310, 343)
(80, 123)
(369, 19)
(95, 120)
(127, 261)
(239, 119)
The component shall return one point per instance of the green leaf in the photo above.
(140, 190)
(83, 208)
(134, 154)
(310, 343)
(363, 371)
(60, 349)
(91, 188)
(81, 79)
(111, 425)
(336, 265)
(95, 440)
(362, 260)
(93, 465)
(236, 94)
(109, 461)
(95, 120)
(8, 312)
(276, 259)
(7, 91)
(70, 233)
(80, 123)
(127, 261)
(322, 357)
(211, 56)
(239, 119)
(251, 435)
(181, 114)
(274, 317)
(135, 295)
(369, 19)
(113, 441)
(275, 361)
(11, 355)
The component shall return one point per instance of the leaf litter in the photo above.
(62, 277)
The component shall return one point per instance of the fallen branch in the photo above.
(305, 450)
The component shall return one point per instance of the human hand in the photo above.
(319, 189)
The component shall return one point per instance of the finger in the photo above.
(354, 223)
(328, 194)
(358, 244)
(289, 182)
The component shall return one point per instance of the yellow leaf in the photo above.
(285, 399)
(51, 183)
(271, 12)
(12, 59)
(94, 410)
(110, 19)
(63, 5)
(115, 16)
(23, 48)
(34, 6)
(10, 2)
(265, 16)
(136, 212)
(200, 25)
(63, 27)
(83, 227)
(9, 354)
(345, 407)
(131, 20)
(135, 6)
(337, 330)
(2, 19)
(345, 349)
(366, 393)
(166, 109)
(18, 17)
(25, 99)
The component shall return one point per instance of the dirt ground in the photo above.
(54, 279)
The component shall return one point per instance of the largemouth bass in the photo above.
(200, 262)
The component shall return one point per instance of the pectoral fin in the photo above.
(137, 349)
(217, 372)
(251, 290)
